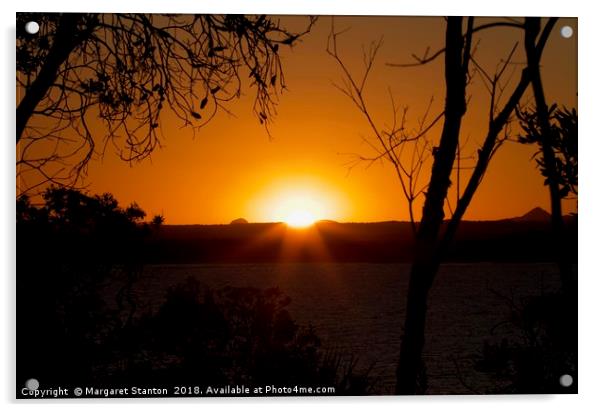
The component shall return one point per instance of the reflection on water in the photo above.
(359, 308)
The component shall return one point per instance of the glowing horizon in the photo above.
(234, 169)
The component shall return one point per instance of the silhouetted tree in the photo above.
(432, 241)
(429, 247)
(551, 167)
(67, 250)
(158, 220)
(562, 173)
(125, 69)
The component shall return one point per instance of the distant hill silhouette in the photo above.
(527, 238)
(326, 221)
(239, 221)
(536, 214)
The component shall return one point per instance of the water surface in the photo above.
(359, 308)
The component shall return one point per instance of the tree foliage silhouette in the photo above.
(126, 70)
(563, 141)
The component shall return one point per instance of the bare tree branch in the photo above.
(126, 69)
(388, 143)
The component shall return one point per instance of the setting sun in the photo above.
(300, 218)
(298, 209)
(297, 201)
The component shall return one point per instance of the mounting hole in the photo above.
(32, 384)
(566, 32)
(566, 380)
(32, 27)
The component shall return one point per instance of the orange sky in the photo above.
(233, 169)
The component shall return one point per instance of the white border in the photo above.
(590, 200)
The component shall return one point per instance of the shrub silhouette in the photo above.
(232, 336)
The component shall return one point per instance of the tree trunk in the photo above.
(425, 266)
(532, 26)
(65, 40)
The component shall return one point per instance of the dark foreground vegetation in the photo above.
(80, 321)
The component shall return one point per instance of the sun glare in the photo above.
(297, 202)
(298, 209)
(300, 218)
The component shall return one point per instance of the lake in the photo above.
(359, 308)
